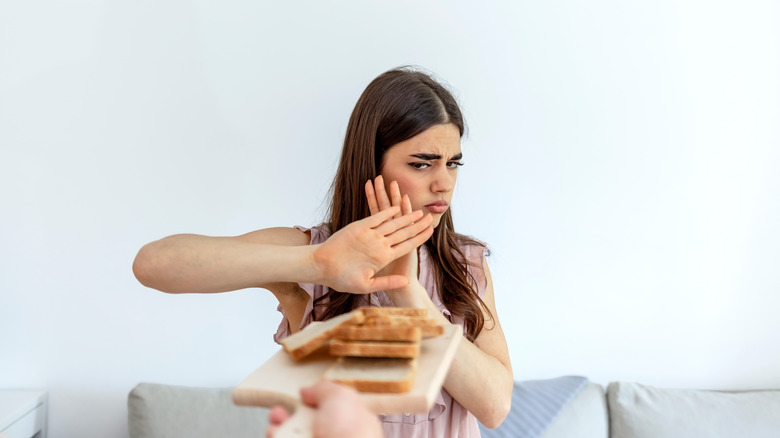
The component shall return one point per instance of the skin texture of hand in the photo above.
(350, 260)
(340, 413)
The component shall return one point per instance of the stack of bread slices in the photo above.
(377, 347)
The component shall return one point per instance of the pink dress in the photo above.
(447, 418)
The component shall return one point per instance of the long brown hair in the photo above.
(396, 106)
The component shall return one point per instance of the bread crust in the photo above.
(313, 337)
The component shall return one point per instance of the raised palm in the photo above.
(352, 258)
(380, 202)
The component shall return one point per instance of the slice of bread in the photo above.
(374, 375)
(375, 349)
(429, 326)
(314, 336)
(378, 333)
(397, 320)
(394, 311)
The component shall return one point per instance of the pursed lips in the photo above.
(437, 206)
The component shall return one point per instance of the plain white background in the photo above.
(622, 162)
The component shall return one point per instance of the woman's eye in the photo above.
(454, 164)
(419, 165)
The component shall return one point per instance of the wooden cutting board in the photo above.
(279, 379)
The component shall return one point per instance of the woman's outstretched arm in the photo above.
(347, 261)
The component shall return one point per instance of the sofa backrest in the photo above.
(168, 411)
(641, 411)
(584, 417)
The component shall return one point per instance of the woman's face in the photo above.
(425, 168)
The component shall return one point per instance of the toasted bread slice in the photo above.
(398, 320)
(431, 331)
(314, 336)
(374, 375)
(394, 311)
(374, 349)
(429, 326)
(378, 333)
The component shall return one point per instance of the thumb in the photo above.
(319, 392)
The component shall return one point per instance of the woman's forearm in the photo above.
(480, 383)
(192, 263)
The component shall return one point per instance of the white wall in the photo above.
(622, 162)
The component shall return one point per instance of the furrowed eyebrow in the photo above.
(427, 157)
(431, 157)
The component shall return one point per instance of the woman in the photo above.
(391, 195)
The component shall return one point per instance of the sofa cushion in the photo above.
(640, 411)
(168, 411)
(583, 417)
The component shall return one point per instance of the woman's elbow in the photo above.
(498, 413)
(146, 267)
(499, 407)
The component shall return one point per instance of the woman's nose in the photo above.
(443, 181)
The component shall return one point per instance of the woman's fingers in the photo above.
(373, 207)
(409, 231)
(381, 195)
(410, 244)
(406, 205)
(379, 199)
(395, 224)
(375, 220)
(395, 196)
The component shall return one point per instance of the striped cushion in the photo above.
(535, 404)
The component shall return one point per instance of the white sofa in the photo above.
(623, 410)
(632, 410)
(168, 411)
